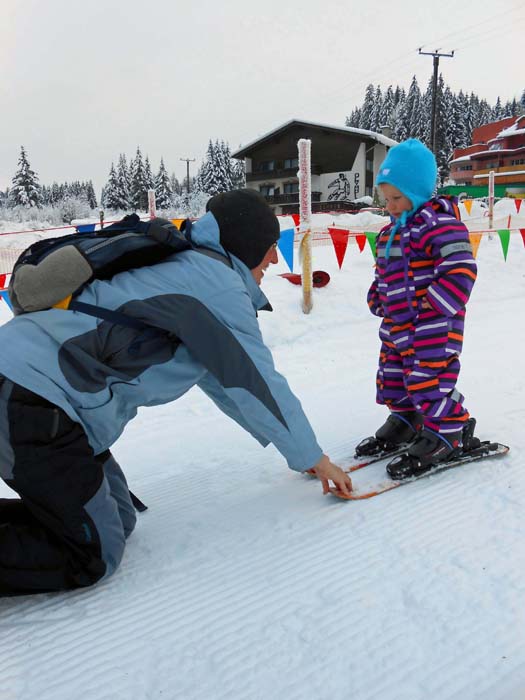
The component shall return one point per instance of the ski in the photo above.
(486, 450)
(384, 454)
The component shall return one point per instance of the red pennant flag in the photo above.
(297, 220)
(2, 281)
(517, 202)
(360, 239)
(522, 231)
(339, 238)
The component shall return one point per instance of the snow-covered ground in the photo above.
(242, 582)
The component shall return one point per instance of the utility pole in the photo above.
(188, 161)
(436, 56)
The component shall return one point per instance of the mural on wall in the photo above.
(340, 187)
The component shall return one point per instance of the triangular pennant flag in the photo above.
(297, 220)
(177, 222)
(285, 245)
(85, 228)
(522, 231)
(475, 240)
(371, 238)
(360, 239)
(2, 281)
(468, 205)
(517, 202)
(504, 236)
(5, 297)
(339, 238)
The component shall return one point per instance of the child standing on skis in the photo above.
(424, 275)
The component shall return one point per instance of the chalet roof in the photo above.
(371, 135)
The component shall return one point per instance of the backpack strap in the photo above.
(123, 319)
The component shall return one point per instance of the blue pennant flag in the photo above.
(5, 297)
(85, 228)
(285, 245)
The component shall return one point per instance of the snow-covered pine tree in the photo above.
(387, 109)
(375, 116)
(111, 199)
(163, 189)
(91, 196)
(25, 190)
(149, 180)
(458, 120)
(497, 112)
(401, 118)
(206, 179)
(522, 102)
(138, 184)
(226, 166)
(485, 113)
(176, 187)
(367, 108)
(123, 185)
(353, 119)
(238, 175)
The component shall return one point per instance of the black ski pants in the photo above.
(68, 527)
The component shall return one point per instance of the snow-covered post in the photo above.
(491, 198)
(305, 227)
(152, 205)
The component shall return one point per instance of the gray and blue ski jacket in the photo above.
(99, 372)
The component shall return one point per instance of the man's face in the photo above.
(269, 259)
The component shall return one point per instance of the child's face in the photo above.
(395, 201)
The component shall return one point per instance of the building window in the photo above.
(266, 165)
(520, 161)
(267, 190)
(369, 164)
(291, 187)
(291, 163)
(464, 167)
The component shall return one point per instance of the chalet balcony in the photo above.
(290, 198)
(264, 175)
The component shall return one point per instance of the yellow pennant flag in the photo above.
(177, 222)
(468, 206)
(475, 239)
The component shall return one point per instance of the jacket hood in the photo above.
(205, 234)
(444, 204)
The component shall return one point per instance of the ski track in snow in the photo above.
(242, 582)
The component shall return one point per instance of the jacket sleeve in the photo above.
(374, 304)
(223, 335)
(373, 301)
(455, 269)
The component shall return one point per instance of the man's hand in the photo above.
(326, 471)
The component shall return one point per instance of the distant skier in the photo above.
(424, 275)
(70, 383)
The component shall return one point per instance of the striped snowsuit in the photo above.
(430, 258)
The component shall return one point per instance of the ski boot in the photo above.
(469, 441)
(399, 427)
(430, 448)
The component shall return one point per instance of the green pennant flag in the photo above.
(371, 238)
(504, 236)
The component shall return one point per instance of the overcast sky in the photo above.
(82, 82)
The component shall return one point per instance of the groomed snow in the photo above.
(242, 582)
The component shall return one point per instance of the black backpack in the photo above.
(51, 273)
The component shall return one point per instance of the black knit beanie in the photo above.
(247, 225)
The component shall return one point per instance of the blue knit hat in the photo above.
(411, 168)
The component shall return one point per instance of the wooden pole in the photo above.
(305, 227)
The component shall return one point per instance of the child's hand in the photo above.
(425, 304)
